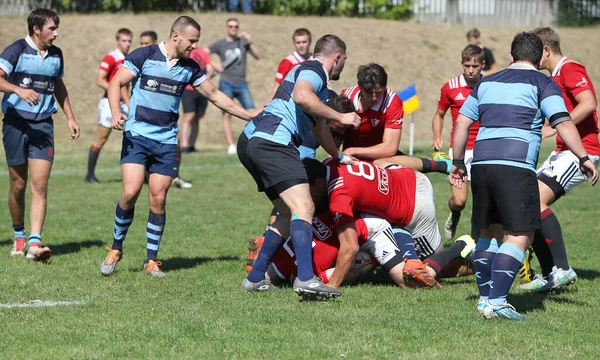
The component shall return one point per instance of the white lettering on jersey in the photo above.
(383, 185)
(582, 83)
(320, 229)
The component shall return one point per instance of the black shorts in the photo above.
(274, 167)
(505, 195)
(194, 103)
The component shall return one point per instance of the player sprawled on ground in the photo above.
(160, 74)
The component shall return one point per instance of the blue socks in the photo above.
(302, 236)
(19, 231)
(154, 231)
(485, 251)
(271, 244)
(405, 243)
(504, 268)
(34, 239)
(123, 220)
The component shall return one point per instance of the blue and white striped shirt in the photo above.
(511, 106)
(26, 67)
(156, 91)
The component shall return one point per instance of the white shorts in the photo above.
(563, 167)
(423, 225)
(468, 161)
(104, 114)
(380, 242)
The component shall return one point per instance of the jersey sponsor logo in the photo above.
(26, 82)
(151, 85)
(582, 83)
(51, 86)
(374, 122)
(104, 65)
(320, 229)
(171, 89)
(337, 217)
(459, 97)
(383, 183)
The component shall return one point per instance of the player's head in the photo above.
(316, 172)
(551, 42)
(43, 24)
(185, 34)
(372, 81)
(332, 48)
(124, 37)
(302, 39)
(148, 37)
(473, 36)
(232, 25)
(472, 61)
(342, 105)
(527, 46)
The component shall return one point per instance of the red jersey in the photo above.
(389, 194)
(387, 114)
(111, 63)
(202, 58)
(453, 95)
(287, 64)
(573, 79)
(325, 247)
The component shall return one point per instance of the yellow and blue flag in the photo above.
(410, 101)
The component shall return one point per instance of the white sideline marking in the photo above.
(40, 303)
(82, 171)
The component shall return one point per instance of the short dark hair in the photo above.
(341, 104)
(527, 46)
(123, 31)
(549, 38)
(302, 32)
(329, 44)
(314, 170)
(182, 22)
(371, 75)
(38, 18)
(473, 33)
(150, 33)
(473, 52)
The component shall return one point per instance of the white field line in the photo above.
(82, 171)
(40, 303)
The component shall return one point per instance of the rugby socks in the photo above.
(504, 269)
(434, 166)
(19, 231)
(542, 252)
(123, 220)
(178, 158)
(301, 234)
(154, 231)
(553, 236)
(34, 240)
(405, 243)
(485, 251)
(440, 260)
(455, 213)
(271, 244)
(92, 160)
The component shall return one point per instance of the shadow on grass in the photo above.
(73, 247)
(6, 242)
(587, 274)
(179, 263)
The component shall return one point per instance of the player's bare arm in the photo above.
(568, 132)
(62, 97)
(327, 142)
(113, 93)
(437, 124)
(305, 97)
(102, 79)
(348, 250)
(586, 105)
(222, 101)
(251, 46)
(461, 133)
(28, 95)
(387, 148)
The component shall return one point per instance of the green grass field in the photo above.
(199, 312)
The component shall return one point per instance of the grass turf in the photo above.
(199, 311)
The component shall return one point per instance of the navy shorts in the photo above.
(156, 157)
(24, 139)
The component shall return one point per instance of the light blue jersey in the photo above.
(25, 67)
(511, 106)
(283, 121)
(156, 92)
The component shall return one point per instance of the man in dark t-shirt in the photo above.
(490, 67)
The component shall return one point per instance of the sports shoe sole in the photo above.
(42, 256)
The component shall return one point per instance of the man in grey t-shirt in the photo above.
(232, 51)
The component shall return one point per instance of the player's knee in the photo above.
(129, 197)
(458, 203)
(17, 188)
(39, 187)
